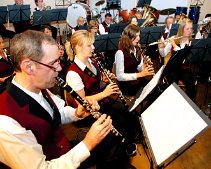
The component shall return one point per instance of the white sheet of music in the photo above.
(148, 88)
(170, 122)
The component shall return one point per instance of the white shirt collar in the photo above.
(37, 97)
(80, 64)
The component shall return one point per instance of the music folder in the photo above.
(174, 63)
(143, 93)
(171, 125)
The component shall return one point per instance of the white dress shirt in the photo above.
(102, 29)
(19, 148)
(73, 78)
(120, 68)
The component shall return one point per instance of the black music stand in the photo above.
(3, 14)
(19, 13)
(199, 51)
(141, 21)
(113, 40)
(151, 34)
(171, 129)
(117, 28)
(42, 17)
(59, 14)
(101, 43)
(83, 27)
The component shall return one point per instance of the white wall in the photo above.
(125, 4)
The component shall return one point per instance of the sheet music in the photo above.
(171, 122)
(148, 88)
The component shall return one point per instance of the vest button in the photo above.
(61, 146)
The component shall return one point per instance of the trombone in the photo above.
(167, 40)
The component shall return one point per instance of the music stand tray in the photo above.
(3, 14)
(42, 17)
(170, 127)
(18, 13)
(59, 14)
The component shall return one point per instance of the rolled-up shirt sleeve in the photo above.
(20, 149)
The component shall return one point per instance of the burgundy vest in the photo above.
(6, 68)
(105, 26)
(90, 81)
(130, 66)
(32, 116)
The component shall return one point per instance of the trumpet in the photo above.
(167, 40)
(86, 105)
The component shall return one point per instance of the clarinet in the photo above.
(86, 105)
(104, 70)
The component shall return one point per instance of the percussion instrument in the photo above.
(167, 11)
(100, 3)
(124, 14)
(75, 10)
(194, 13)
(180, 10)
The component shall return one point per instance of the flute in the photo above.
(85, 104)
(167, 40)
(105, 71)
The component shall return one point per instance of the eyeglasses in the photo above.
(54, 68)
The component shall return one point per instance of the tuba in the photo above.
(151, 15)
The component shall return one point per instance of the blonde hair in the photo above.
(81, 38)
(182, 24)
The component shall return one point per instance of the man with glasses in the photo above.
(30, 116)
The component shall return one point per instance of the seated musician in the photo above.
(103, 27)
(133, 20)
(93, 27)
(6, 67)
(130, 64)
(80, 22)
(40, 5)
(185, 76)
(85, 77)
(31, 116)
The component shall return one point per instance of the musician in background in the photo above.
(177, 18)
(19, 2)
(81, 21)
(184, 77)
(40, 5)
(168, 23)
(103, 27)
(86, 78)
(6, 67)
(30, 116)
(49, 30)
(93, 27)
(129, 62)
(133, 20)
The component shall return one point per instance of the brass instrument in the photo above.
(151, 15)
(85, 104)
(167, 40)
(105, 71)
